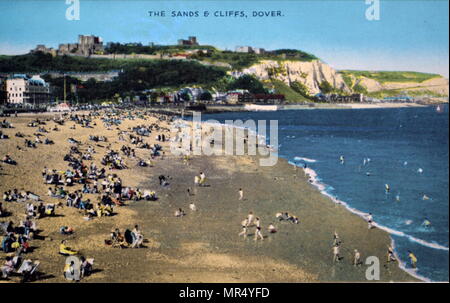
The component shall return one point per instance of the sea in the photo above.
(354, 154)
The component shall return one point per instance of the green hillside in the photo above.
(290, 94)
(388, 76)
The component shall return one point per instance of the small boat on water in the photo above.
(440, 108)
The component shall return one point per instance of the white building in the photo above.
(244, 49)
(249, 49)
(21, 89)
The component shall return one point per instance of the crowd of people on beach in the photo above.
(85, 179)
(91, 184)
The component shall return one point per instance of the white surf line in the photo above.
(322, 187)
(305, 159)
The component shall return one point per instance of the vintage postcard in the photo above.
(207, 141)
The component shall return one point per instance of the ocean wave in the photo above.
(410, 271)
(315, 181)
(305, 159)
(323, 188)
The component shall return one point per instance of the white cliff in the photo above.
(310, 74)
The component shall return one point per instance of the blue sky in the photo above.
(410, 35)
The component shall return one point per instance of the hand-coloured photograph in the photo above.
(207, 141)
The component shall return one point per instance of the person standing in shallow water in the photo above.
(413, 259)
(390, 255)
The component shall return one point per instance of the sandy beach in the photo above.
(203, 245)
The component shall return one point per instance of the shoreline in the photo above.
(314, 180)
(203, 246)
(320, 186)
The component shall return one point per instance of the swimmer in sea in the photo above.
(426, 223)
(341, 158)
(387, 187)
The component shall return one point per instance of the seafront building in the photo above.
(2, 90)
(21, 89)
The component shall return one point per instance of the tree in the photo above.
(300, 88)
(248, 82)
(326, 87)
(205, 96)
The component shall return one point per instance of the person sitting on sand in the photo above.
(179, 213)
(271, 229)
(86, 266)
(66, 230)
(65, 250)
(117, 239)
(8, 160)
(8, 267)
(138, 238)
(192, 206)
(69, 271)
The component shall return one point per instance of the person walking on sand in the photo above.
(390, 255)
(413, 259)
(336, 256)
(258, 229)
(202, 179)
(192, 206)
(336, 239)
(241, 194)
(244, 224)
(356, 258)
(250, 218)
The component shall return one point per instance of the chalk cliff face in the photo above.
(310, 74)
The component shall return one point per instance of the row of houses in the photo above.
(336, 98)
(23, 89)
(199, 95)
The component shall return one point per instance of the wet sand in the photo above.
(202, 246)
